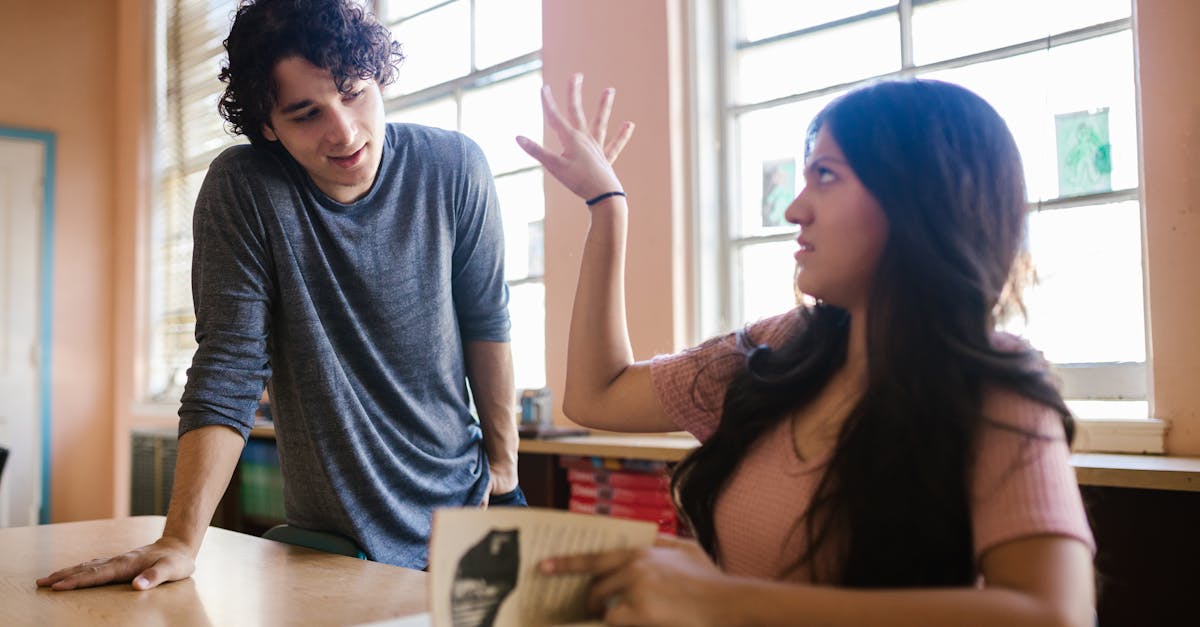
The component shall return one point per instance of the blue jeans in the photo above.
(515, 498)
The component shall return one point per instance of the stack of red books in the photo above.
(635, 489)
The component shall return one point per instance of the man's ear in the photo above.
(269, 132)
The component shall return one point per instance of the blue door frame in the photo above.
(45, 300)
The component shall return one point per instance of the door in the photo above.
(22, 168)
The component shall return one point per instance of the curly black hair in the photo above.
(337, 35)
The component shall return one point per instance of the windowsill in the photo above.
(1144, 436)
(1148, 472)
(154, 414)
(1116, 427)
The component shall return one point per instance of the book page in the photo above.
(483, 564)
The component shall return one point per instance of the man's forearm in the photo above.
(490, 372)
(203, 465)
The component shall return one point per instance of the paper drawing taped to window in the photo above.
(1084, 153)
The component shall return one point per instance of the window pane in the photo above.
(954, 28)
(505, 29)
(172, 317)
(1087, 306)
(1030, 90)
(820, 59)
(527, 309)
(1095, 75)
(766, 273)
(515, 101)
(393, 10)
(759, 19)
(522, 207)
(770, 163)
(437, 47)
(442, 113)
(202, 128)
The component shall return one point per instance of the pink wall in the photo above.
(1169, 65)
(134, 123)
(634, 46)
(58, 76)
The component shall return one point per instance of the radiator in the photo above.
(152, 471)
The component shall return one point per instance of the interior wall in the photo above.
(135, 126)
(1169, 62)
(58, 76)
(632, 45)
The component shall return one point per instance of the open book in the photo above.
(483, 564)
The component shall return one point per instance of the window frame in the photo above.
(169, 213)
(456, 88)
(716, 248)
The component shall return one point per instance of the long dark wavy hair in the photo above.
(337, 35)
(892, 506)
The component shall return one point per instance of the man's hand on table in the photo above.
(168, 559)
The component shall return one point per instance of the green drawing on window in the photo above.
(779, 188)
(1084, 153)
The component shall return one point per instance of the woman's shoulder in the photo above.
(691, 383)
(1008, 408)
(772, 331)
(775, 330)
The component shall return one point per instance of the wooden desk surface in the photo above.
(239, 580)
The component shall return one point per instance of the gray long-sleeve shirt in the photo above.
(357, 313)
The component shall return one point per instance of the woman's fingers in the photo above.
(535, 150)
(583, 165)
(609, 569)
(600, 123)
(610, 589)
(575, 95)
(587, 563)
(614, 148)
(553, 117)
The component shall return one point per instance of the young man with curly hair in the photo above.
(358, 267)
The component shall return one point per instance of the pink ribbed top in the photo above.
(1019, 487)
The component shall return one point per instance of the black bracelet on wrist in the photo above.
(603, 196)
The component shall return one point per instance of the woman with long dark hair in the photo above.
(882, 456)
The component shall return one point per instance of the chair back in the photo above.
(318, 540)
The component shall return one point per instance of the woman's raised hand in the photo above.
(585, 164)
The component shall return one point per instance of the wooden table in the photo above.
(239, 580)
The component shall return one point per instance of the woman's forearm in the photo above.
(598, 349)
(765, 603)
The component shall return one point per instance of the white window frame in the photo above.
(1101, 425)
(170, 215)
(458, 87)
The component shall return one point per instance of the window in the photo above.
(188, 136)
(470, 62)
(1061, 74)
